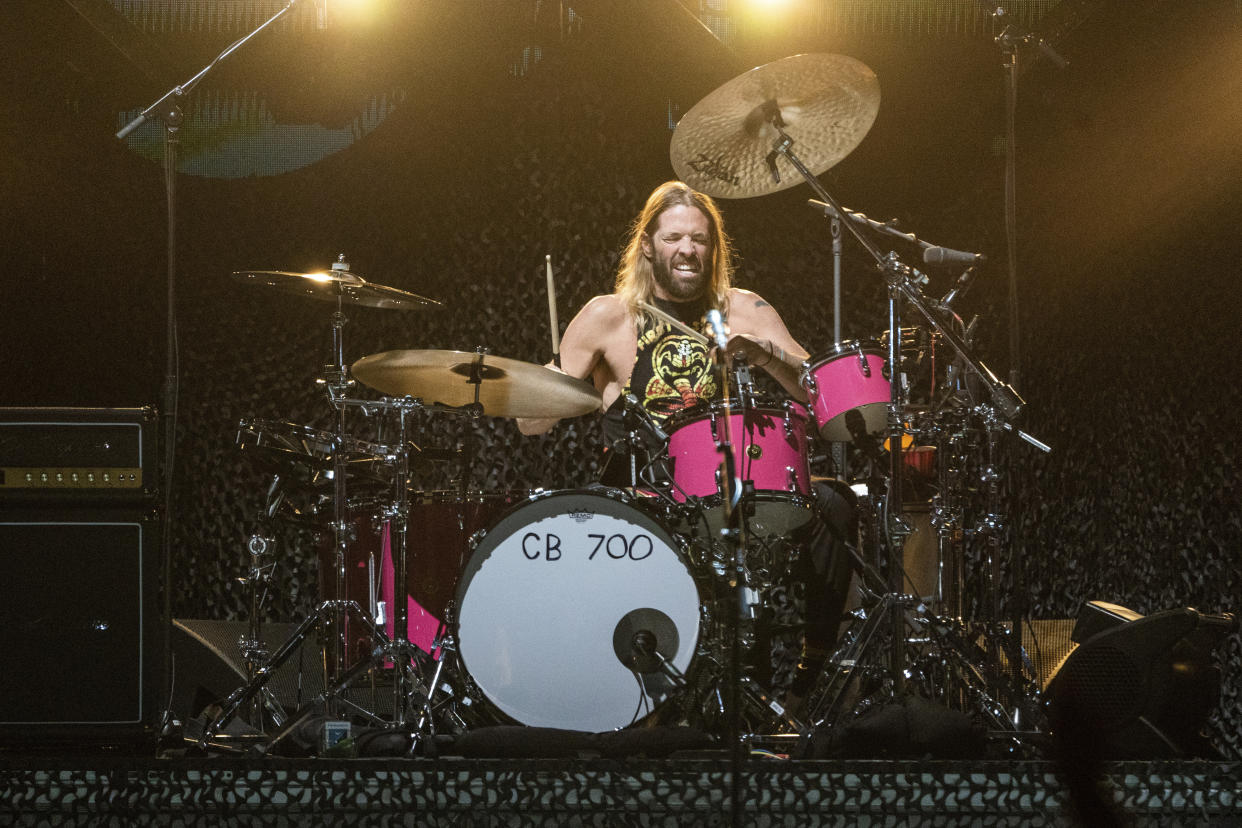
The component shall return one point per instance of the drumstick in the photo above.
(676, 323)
(556, 328)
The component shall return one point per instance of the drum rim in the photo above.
(716, 502)
(763, 403)
(470, 496)
(844, 348)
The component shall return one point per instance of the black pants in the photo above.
(825, 563)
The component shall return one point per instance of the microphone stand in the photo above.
(1010, 40)
(168, 109)
(838, 447)
(903, 282)
(734, 536)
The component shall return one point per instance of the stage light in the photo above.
(348, 12)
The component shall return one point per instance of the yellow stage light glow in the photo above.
(349, 12)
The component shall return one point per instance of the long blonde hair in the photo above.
(635, 278)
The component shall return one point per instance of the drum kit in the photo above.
(594, 609)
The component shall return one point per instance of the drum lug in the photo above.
(862, 360)
(793, 478)
(807, 380)
(788, 419)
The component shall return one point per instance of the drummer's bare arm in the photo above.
(758, 332)
(582, 351)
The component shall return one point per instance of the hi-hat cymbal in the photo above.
(329, 286)
(506, 387)
(827, 103)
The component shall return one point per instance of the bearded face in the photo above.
(680, 252)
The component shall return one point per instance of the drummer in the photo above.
(678, 259)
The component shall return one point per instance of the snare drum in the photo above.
(850, 377)
(770, 448)
(552, 599)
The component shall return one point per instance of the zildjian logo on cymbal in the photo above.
(713, 168)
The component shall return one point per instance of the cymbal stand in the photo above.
(902, 282)
(409, 660)
(258, 578)
(445, 642)
(330, 617)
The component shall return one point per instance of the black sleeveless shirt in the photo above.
(671, 371)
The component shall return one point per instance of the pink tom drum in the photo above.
(850, 377)
(770, 448)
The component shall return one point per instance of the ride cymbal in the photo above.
(827, 104)
(506, 387)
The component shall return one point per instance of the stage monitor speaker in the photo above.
(208, 664)
(1141, 688)
(82, 639)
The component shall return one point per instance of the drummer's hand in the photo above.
(758, 352)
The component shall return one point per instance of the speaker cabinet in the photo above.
(81, 638)
(1139, 687)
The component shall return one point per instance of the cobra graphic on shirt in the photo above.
(672, 371)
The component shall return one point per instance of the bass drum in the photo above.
(564, 606)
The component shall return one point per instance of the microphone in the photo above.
(949, 256)
(645, 657)
(634, 407)
(959, 287)
(643, 652)
(718, 330)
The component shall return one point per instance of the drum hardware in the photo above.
(330, 455)
(409, 691)
(760, 122)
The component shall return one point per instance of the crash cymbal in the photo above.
(827, 103)
(327, 286)
(507, 387)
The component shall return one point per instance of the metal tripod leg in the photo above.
(325, 612)
(399, 652)
(848, 660)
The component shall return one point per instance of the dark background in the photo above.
(485, 159)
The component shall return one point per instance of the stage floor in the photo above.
(114, 790)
